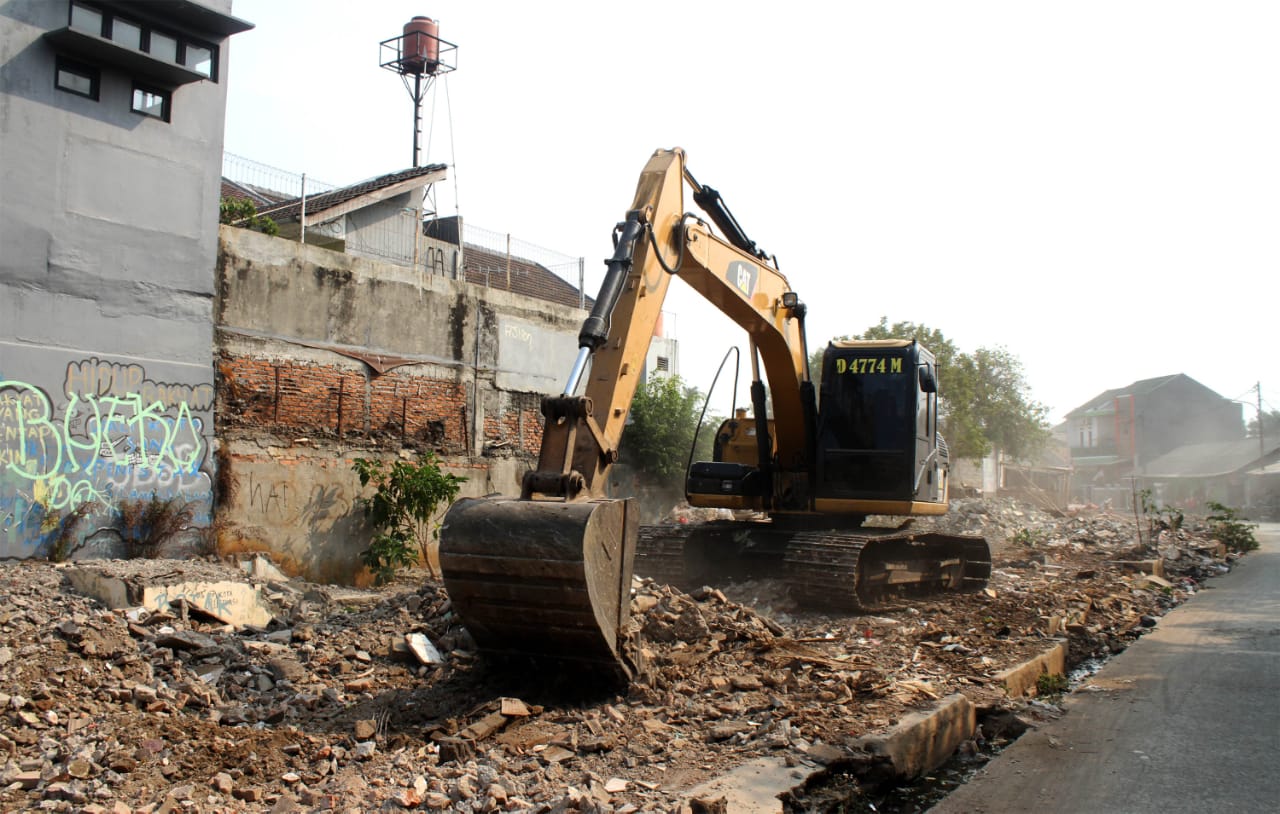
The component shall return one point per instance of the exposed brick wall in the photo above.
(330, 401)
(519, 425)
(406, 407)
(397, 408)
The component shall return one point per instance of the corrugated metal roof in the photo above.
(1209, 460)
(1096, 460)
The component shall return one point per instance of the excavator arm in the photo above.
(658, 241)
(547, 576)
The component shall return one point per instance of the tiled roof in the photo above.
(1103, 401)
(248, 192)
(527, 278)
(316, 204)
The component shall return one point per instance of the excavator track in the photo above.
(660, 553)
(861, 571)
(828, 570)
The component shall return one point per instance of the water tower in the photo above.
(418, 53)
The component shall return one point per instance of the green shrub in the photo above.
(1051, 684)
(1028, 537)
(241, 212)
(1234, 533)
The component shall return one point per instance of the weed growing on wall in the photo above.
(64, 543)
(146, 525)
(401, 510)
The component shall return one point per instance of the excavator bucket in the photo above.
(543, 581)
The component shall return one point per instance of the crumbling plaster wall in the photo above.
(302, 335)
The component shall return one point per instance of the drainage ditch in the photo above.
(871, 785)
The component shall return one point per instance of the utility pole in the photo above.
(1262, 447)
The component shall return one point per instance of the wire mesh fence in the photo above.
(502, 244)
(271, 182)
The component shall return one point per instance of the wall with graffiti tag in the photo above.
(82, 436)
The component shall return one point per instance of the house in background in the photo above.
(1115, 434)
(378, 218)
(384, 219)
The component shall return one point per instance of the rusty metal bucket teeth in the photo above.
(543, 581)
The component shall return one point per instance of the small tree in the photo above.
(401, 511)
(664, 415)
(1267, 423)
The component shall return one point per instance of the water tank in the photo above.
(421, 45)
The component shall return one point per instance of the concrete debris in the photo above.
(345, 700)
(423, 649)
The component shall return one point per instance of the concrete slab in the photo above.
(235, 603)
(1021, 680)
(923, 741)
(753, 787)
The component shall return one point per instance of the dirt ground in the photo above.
(328, 708)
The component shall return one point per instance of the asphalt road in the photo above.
(1187, 719)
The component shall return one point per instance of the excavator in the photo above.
(546, 576)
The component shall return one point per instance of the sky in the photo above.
(1092, 186)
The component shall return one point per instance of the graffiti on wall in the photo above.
(109, 434)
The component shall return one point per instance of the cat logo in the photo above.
(742, 276)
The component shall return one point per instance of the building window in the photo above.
(199, 59)
(151, 102)
(663, 363)
(126, 33)
(167, 46)
(86, 19)
(76, 78)
(162, 46)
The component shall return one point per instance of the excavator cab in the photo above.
(878, 449)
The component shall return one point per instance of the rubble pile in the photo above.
(364, 700)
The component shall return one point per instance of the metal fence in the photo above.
(272, 182)
(395, 242)
(504, 245)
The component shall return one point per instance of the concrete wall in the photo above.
(303, 333)
(108, 223)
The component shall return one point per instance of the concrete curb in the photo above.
(1021, 680)
(923, 741)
